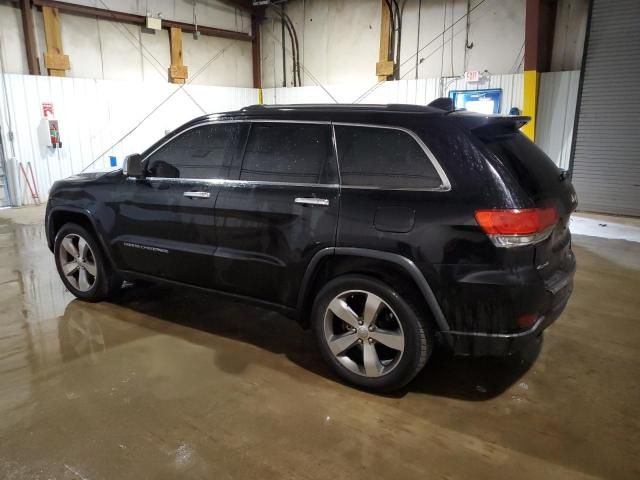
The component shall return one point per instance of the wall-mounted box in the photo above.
(154, 23)
(49, 133)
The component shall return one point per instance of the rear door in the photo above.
(165, 225)
(281, 211)
(393, 197)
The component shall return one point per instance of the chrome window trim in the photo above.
(267, 120)
(223, 181)
(445, 185)
(217, 122)
(245, 182)
(203, 124)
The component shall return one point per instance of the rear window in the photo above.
(533, 169)
(383, 157)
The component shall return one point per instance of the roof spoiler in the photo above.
(443, 103)
(491, 125)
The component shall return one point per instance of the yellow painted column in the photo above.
(260, 99)
(531, 85)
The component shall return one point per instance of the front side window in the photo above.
(383, 157)
(288, 152)
(202, 152)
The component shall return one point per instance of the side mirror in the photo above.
(132, 166)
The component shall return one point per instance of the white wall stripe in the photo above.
(95, 113)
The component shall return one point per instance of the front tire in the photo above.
(82, 265)
(371, 335)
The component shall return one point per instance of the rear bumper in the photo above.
(558, 290)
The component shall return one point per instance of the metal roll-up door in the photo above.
(606, 156)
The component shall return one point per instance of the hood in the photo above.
(84, 177)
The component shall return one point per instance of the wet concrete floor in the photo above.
(169, 383)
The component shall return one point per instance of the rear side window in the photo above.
(288, 152)
(202, 152)
(383, 157)
(533, 169)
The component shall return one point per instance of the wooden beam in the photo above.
(384, 58)
(54, 59)
(178, 72)
(29, 37)
(122, 17)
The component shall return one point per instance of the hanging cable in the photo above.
(375, 86)
(295, 36)
(284, 58)
(467, 46)
(295, 48)
(444, 29)
(392, 36)
(451, 41)
(296, 53)
(396, 59)
(418, 36)
(195, 19)
(307, 72)
(442, 33)
(517, 61)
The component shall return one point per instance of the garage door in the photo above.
(606, 162)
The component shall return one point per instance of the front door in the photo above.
(165, 225)
(281, 211)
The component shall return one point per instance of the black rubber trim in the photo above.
(306, 279)
(283, 309)
(406, 264)
(523, 333)
(86, 213)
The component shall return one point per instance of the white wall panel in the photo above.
(418, 92)
(556, 114)
(12, 52)
(93, 115)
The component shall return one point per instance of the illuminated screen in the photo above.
(481, 101)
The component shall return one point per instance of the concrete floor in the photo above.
(168, 383)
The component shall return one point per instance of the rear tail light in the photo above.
(527, 320)
(517, 227)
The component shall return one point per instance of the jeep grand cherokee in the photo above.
(384, 228)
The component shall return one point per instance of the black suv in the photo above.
(384, 228)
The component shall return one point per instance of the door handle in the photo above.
(197, 194)
(312, 201)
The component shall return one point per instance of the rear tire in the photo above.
(82, 265)
(371, 335)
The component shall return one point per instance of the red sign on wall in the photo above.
(47, 109)
(472, 76)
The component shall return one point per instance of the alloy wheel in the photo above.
(363, 333)
(77, 262)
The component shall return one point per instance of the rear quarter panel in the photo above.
(461, 265)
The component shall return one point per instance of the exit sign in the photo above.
(472, 76)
